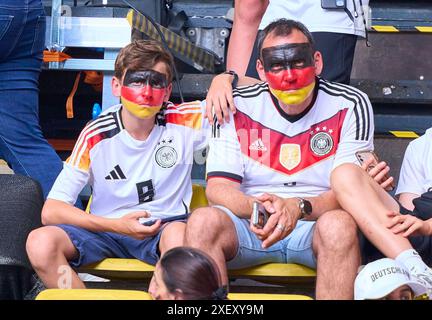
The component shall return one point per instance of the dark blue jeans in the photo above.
(22, 40)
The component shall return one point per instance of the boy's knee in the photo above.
(41, 246)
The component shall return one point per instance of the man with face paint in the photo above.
(279, 148)
(290, 71)
(137, 157)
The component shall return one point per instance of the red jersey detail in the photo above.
(285, 154)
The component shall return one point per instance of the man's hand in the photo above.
(284, 214)
(408, 225)
(379, 173)
(129, 225)
(219, 98)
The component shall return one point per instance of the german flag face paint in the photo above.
(143, 92)
(290, 71)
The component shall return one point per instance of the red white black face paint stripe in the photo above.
(290, 71)
(287, 56)
(152, 78)
(144, 96)
(143, 102)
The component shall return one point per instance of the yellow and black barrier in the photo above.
(400, 134)
(385, 28)
(181, 47)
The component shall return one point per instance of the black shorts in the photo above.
(422, 244)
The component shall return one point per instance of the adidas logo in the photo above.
(116, 174)
(258, 145)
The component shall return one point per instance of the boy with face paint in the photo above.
(137, 157)
(143, 92)
(279, 148)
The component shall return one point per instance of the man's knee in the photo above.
(337, 230)
(42, 245)
(206, 223)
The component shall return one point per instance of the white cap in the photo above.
(379, 278)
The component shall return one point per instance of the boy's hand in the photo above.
(129, 225)
(219, 100)
(408, 225)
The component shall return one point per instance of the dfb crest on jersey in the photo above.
(290, 155)
(166, 156)
(321, 143)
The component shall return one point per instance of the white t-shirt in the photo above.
(129, 175)
(316, 19)
(416, 171)
(266, 151)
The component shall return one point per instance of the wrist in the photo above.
(293, 206)
(234, 77)
(115, 226)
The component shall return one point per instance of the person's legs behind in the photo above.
(338, 51)
(22, 144)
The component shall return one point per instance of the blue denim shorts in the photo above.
(96, 246)
(295, 248)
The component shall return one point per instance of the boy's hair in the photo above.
(284, 27)
(142, 55)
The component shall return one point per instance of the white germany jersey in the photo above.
(268, 151)
(416, 171)
(129, 175)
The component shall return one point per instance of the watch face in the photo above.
(305, 206)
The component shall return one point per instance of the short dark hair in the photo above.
(191, 271)
(141, 55)
(284, 27)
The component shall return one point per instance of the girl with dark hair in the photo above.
(185, 273)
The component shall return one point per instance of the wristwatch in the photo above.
(305, 207)
(235, 80)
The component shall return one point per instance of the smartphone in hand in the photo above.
(151, 222)
(259, 215)
(364, 155)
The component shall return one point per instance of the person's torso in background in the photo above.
(316, 19)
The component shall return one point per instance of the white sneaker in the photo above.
(426, 280)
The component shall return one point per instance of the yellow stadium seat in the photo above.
(110, 294)
(135, 269)
(280, 272)
(116, 268)
(92, 294)
(266, 296)
(199, 198)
